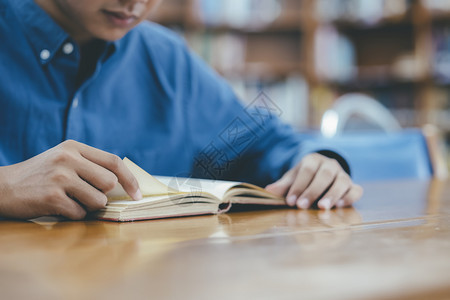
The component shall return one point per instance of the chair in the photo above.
(377, 148)
(369, 112)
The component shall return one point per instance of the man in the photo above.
(85, 70)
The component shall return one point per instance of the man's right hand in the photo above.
(69, 180)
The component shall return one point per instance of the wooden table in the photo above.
(394, 244)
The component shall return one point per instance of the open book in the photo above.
(175, 196)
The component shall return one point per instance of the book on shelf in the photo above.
(165, 197)
(238, 13)
(361, 11)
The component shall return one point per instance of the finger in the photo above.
(338, 189)
(117, 166)
(282, 185)
(353, 195)
(60, 204)
(99, 177)
(91, 198)
(304, 177)
(72, 210)
(323, 179)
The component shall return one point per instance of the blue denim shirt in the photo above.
(148, 98)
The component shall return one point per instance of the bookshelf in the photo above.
(306, 53)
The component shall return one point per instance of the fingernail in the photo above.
(340, 203)
(325, 203)
(303, 203)
(291, 200)
(137, 195)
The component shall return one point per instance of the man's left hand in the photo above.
(316, 175)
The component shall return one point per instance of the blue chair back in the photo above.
(380, 155)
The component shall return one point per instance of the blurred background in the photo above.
(305, 54)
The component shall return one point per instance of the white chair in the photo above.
(361, 107)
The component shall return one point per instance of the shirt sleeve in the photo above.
(234, 141)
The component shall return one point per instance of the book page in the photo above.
(196, 186)
(155, 186)
(147, 183)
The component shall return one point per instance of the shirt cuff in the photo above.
(331, 154)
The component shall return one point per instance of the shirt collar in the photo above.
(44, 34)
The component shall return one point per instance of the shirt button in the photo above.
(75, 103)
(45, 54)
(68, 48)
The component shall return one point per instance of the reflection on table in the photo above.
(381, 248)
